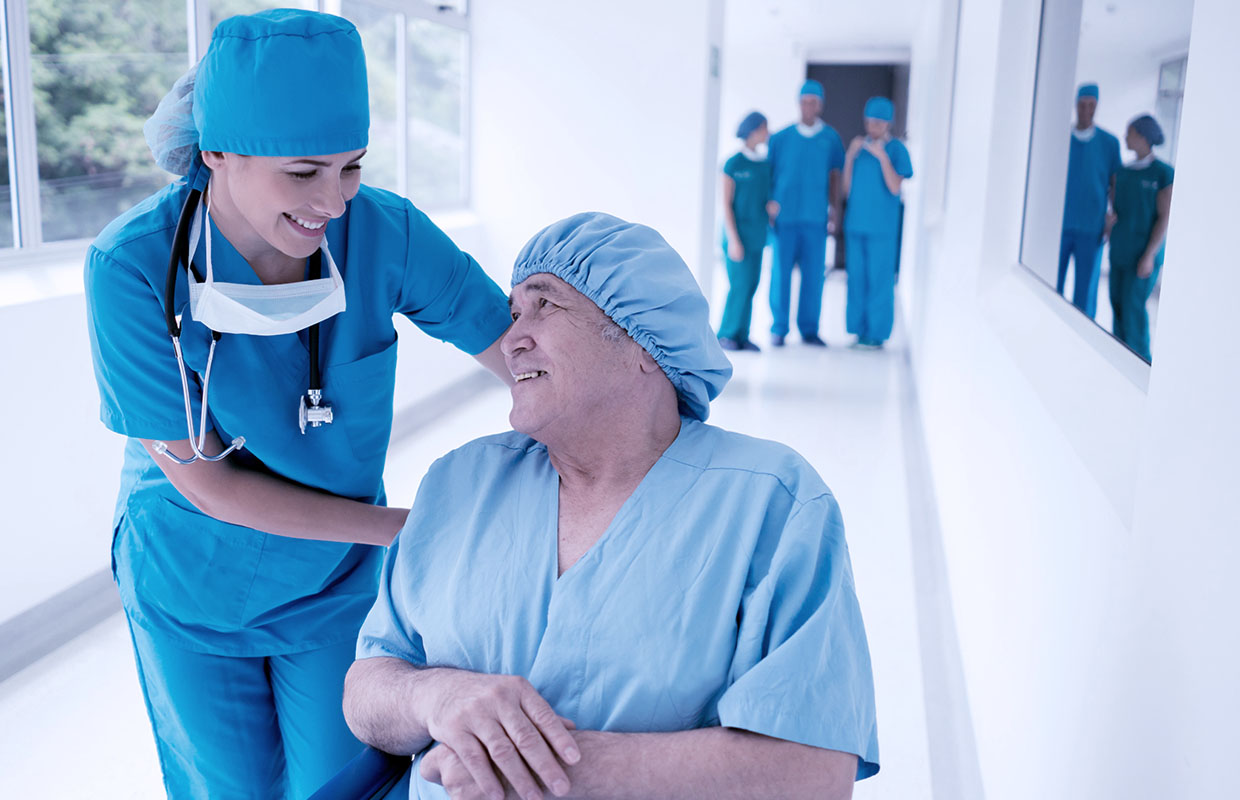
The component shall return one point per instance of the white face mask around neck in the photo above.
(261, 310)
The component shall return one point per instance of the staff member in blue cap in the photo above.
(1142, 212)
(806, 159)
(1093, 161)
(746, 191)
(874, 169)
(245, 579)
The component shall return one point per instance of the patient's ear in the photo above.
(646, 362)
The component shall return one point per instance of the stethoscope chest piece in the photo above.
(313, 411)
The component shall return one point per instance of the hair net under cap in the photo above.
(283, 83)
(636, 278)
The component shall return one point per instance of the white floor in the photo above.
(74, 724)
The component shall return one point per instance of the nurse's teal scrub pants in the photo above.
(870, 312)
(798, 245)
(1129, 296)
(1085, 250)
(229, 727)
(743, 277)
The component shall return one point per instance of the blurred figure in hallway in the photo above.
(746, 191)
(1093, 161)
(1142, 208)
(874, 169)
(806, 159)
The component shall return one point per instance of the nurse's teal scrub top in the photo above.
(1136, 210)
(219, 588)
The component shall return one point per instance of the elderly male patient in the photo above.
(615, 599)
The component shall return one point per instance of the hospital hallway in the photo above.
(846, 411)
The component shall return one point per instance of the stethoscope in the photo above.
(312, 409)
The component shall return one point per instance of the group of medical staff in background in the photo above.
(790, 193)
(1127, 205)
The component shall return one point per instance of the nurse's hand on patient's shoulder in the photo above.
(500, 725)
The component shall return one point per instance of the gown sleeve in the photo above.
(388, 631)
(446, 293)
(135, 365)
(801, 671)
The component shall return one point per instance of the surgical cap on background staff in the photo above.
(245, 578)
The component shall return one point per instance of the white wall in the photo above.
(595, 107)
(1089, 527)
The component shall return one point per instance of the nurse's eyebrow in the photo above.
(318, 163)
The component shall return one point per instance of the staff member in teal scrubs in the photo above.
(1142, 211)
(245, 579)
(874, 169)
(746, 191)
(806, 159)
(1093, 160)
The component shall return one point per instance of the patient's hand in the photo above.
(443, 766)
(496, 724)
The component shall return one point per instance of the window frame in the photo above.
(29, 249)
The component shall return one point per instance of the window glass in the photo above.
(223, 9)
(6, 191)
(98, 71)
(436, 92)
(378, 29)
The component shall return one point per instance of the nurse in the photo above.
(1142, 212)
(244, 580)
(806, 159)
(1093, 161)
(746, 191)
(680, 593)
(874, 169)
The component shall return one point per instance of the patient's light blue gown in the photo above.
(721, 593)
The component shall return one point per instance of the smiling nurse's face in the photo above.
(281, 204)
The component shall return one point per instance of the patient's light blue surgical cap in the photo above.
(879, 108)
(1149, 128)
(284, 82)
(752, 121)
(1087, 90)
(812, 87)
(636, 278)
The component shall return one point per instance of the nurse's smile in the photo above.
(305, 227)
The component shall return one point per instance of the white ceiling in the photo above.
(1124, 29)
(825, 24)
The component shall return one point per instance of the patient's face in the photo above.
(571, 362)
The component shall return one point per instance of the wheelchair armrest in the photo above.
(368, 776)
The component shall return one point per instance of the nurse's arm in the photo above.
(729, 213)
(493, 359)
(892, 178)
(1158, 234)
(834, 195)
(242, 496)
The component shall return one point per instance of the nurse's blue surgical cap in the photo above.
(635, 277)
(1087, 90)
(1149, 128)
(879, 108)
(812, 87)
(752, 121)
(283, 82)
